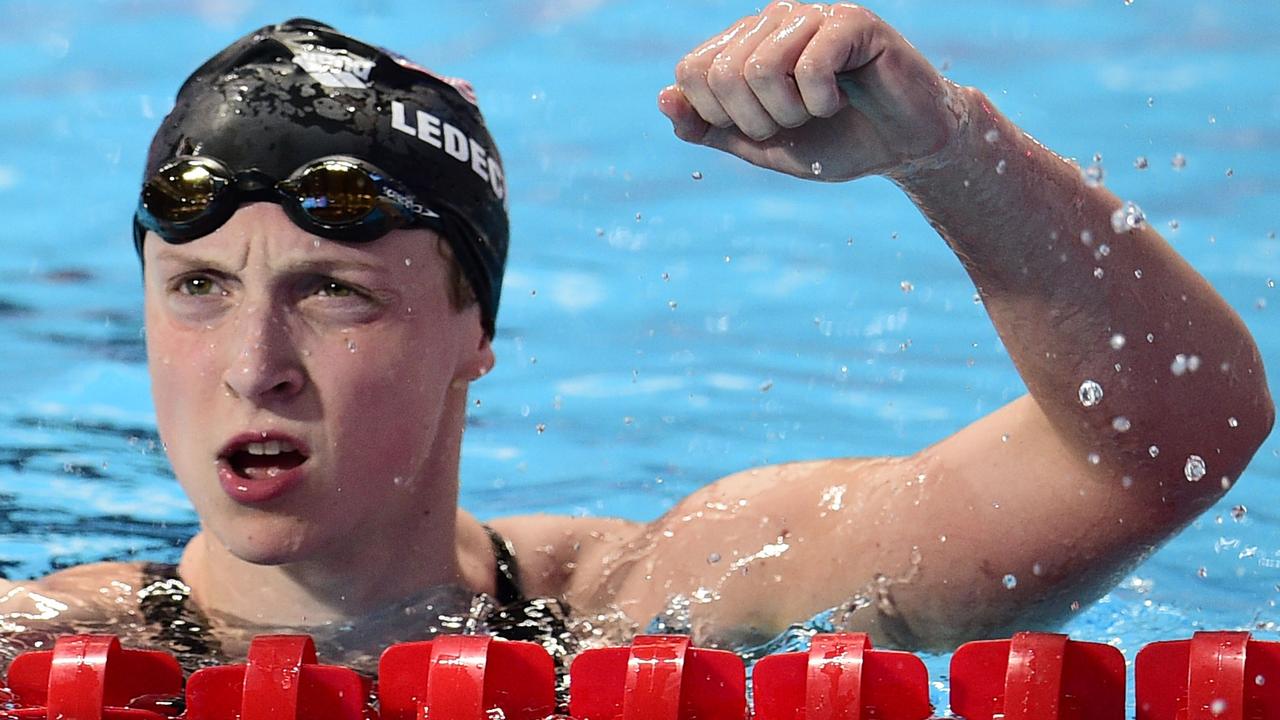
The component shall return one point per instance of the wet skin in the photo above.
(1045, 488)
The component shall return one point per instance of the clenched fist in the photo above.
(827, 92)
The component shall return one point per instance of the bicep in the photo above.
(999, 524)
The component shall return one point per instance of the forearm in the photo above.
(1076, 299)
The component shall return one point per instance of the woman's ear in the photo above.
(479, 362)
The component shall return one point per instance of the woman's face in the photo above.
(308, 392)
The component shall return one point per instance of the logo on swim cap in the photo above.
(332, 68)
(463, 87)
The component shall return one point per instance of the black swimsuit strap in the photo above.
(506, 573)
(164, 600)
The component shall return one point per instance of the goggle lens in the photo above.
(183, 191)
(335, 192)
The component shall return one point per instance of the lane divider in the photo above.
(1031, 676)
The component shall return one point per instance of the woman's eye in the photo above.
(333, 288)
(197, 286)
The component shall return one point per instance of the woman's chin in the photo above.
(271, 545)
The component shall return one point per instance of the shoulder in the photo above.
(550, 548)
(93, 575)
(84, 591)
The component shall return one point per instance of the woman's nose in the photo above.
(266, 365)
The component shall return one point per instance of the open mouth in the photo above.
(259, 460)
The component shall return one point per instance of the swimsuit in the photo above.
(183, 629)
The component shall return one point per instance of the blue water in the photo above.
(663, 331)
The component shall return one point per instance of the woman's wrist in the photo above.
(960, 142)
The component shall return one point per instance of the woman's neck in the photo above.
(424, 543)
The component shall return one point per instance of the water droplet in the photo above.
(1141, 162)
(1086, 237)
(1179, 161)
(1151, 102)
(816, 167)
(1001, 166)
(1094, 175)
(540, 428)
(1090, 393)
(1238, 512)
(713, 558)
(1153, 451)
(1037, 569)
(1094, 458)
(696, 174)
(1104, 250)
(351, 345)
(1194, 469)
(991, 135)
(1179, 365)
(1202, 572)
(399, 481)
(1127, 218)
(1137, 273)
(1121, 424)
(1174, 224)
(1259, 680)
(1151, 337)
(638, 217)
(1232, 422)
(1004, 437)
(906, 286)
(1218, 706)
(1098, 273)
(1230, 172)
(672, 304)
(1010, 581)
(408, 262)
(666, 277)
(1117, 341)
(1126, 482)
(766, 386)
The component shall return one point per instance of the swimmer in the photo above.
(311, 194)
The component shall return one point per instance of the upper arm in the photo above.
(1000, 525)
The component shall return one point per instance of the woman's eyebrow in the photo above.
(184, 261)
(329, 265)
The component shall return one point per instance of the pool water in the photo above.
(670, 315)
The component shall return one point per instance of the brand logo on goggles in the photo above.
(417, 207)
(454, 142)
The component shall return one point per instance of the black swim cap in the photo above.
(288, 94)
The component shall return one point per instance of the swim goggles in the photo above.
(336, 197)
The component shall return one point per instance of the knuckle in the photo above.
(723, 75)
(759, 72)
(853, 12)
(689, 70)
(808, 71)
